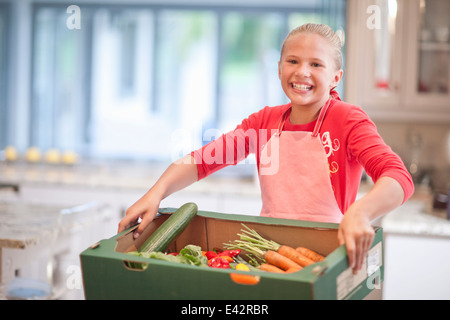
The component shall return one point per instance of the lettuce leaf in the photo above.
(190, 254)
(194, 255)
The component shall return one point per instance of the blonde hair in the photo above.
(325, 31)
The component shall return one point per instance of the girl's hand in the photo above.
(145, 208)
(356, 230)
(177, 176)
(357, 233)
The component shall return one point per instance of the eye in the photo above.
(292, 61)
(315, 64)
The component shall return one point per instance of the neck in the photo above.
(303, 116)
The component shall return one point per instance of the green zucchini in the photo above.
(170, 229)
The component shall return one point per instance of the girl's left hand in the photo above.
(357, 233)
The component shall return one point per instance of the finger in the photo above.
(368, 242)
(350, 245)
(370, 239)
(125, 223)
(361, 251)
(358, 256)
(131, 218)
(340, 237)
(147, 217)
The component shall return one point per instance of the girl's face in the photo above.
(307, 70)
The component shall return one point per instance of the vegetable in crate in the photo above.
(193, 254)
(227, 254)
(284, 257)
(270, 268)
(314, 256)
(170, 229)
(219, 262)
(221, 259)
(242, 267)
(190, 254)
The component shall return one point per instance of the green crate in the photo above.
(106, 276)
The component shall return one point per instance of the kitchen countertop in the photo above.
(416, 217)
(23, 226)
(413, 217)
(117, 175)
(26, 225)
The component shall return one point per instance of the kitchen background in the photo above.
(96, 99)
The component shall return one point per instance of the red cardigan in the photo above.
(350, 140)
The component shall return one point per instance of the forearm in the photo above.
(179, 175)
(356, 230)
(385, 195)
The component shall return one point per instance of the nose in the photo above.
(303, 70)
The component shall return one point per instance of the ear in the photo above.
(336, 78)
(279, 70)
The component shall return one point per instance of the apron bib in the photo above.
(294, 176)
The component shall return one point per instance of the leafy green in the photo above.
(190, 254)
(194, 255)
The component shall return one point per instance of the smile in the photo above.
(302, 87)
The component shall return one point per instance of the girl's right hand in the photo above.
(179, 175)
(145, 208)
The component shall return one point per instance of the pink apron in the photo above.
(294, 176)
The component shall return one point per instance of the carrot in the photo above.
(281, 256)
(314, 256)
(294, 255)
(270, 268)
(279, 260)
(291, 270)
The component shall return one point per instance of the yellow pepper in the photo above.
(242, 267)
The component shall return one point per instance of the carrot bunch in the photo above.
(275, 257)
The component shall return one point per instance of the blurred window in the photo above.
(145, 81)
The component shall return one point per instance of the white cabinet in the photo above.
(398, 59)
(416, 267)
(416, 255)
(428, 84)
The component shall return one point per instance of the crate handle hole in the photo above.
(245, 279)
(135, 266)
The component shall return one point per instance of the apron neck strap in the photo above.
(322, 113)
(283, 120)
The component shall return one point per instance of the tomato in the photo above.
(210, 254)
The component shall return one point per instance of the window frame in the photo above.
(5, 135)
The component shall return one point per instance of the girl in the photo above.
(310, 153)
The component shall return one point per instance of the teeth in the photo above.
(301, 86)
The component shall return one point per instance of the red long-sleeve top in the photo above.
(349, 137)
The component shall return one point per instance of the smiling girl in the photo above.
(310, 153)
(309, 68)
